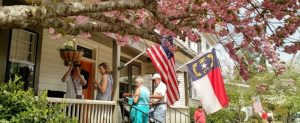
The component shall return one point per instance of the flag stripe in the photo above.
(217, 83)
(170, 79)
(162, 64)
(171, 72)
(206, 95)
(159, 69)
(165, 67)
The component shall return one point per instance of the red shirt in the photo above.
(199, 116)
(264, 115)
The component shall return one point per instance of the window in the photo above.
(22, 56)
(124, 78)
(135, 72)
(88, 53)
(127, 77)
(22, 46)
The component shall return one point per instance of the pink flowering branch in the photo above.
(152, 7)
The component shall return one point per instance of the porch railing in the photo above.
(122, 102)
(87, 111)
(178, 115)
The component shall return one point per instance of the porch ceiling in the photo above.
(108, 41)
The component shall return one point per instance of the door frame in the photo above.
(94, 46)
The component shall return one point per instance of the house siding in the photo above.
(52, 68)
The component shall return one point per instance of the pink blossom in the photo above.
(292, 49)
(192, 36)
(51, 31)
(250, 31)
(279, 15)
(205, 5)
(122, 40)
(244, 44)
(136, 39)
(223, 32)
(261, 68)
(85, 35)
(80, 20)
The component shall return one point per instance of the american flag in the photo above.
(164, 63)
(257, 105)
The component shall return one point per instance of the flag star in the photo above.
(203, 65)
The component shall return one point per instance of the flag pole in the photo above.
(193, 59)
(133, 59)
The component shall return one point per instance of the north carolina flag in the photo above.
(207, 82)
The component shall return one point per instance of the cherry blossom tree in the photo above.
(260, 28)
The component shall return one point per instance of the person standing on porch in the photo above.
(104, 86)
(140, 102)
(74, 81)
(199, 115)
(159, 99)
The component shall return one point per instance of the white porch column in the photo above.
(116, 76)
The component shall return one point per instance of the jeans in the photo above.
(158, 113)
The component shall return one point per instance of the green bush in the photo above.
(222, 116)
(19, 106)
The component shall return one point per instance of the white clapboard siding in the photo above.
(181, 113)
(52, 66)
(181, 101)
(194, 103)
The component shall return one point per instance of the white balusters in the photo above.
(86, 111)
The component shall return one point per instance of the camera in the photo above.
(77, 64)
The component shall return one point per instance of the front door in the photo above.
(87, 72)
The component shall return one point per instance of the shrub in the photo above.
(222, 116)
(17, 105)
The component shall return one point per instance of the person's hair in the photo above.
(139, 79)
(200, 106)
(105, 66)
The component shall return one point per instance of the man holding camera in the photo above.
(74, 81)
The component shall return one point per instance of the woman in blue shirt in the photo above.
(140, 102)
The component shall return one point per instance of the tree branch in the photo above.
(98, 26)
(116, 22)
(183, 16)
(152, 7)
(24, 15)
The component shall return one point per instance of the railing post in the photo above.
(116, 74)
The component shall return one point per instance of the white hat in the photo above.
(156, 76)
